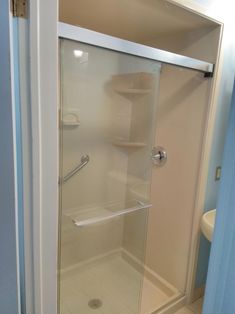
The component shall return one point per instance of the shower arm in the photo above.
(84, 160)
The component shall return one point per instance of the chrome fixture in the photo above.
(84, 160)
(159, 156)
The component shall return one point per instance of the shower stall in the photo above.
(132, 120)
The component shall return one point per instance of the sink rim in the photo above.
(207, 223)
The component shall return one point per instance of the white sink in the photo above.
(207, 224)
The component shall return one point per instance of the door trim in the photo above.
(44, 150)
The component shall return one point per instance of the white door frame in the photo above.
(40, 152)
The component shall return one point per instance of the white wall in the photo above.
(202, 43)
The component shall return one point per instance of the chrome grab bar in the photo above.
(84, 160)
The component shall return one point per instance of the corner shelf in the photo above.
(132, 91)
(70, 123)
(70, 118)
(128, 144)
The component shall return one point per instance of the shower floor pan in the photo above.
(111, 285)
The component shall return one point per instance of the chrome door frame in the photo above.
(90, 37)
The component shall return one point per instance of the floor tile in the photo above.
(195, 308)
(184, 310)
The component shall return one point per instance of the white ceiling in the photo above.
(135, 20)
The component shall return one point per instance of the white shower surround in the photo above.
(43, 70)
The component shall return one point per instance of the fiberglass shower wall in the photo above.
(108, 103)
(182, 114)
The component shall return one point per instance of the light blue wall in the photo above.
(220, 287)
(9, 302)
(223, 106)
(222, 9)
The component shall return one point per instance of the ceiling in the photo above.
(135, 20)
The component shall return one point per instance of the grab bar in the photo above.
(84, 160)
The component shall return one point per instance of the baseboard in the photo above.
(172, 307)
(198, 293)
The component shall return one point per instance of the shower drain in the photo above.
(95, 304)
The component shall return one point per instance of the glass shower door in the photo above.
(107, 126)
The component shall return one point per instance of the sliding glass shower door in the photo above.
(107, 126)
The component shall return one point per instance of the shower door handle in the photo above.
(159, 156)
(84, 160)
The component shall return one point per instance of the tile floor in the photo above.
(184, 311)
(195, 308)
(115, 283)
